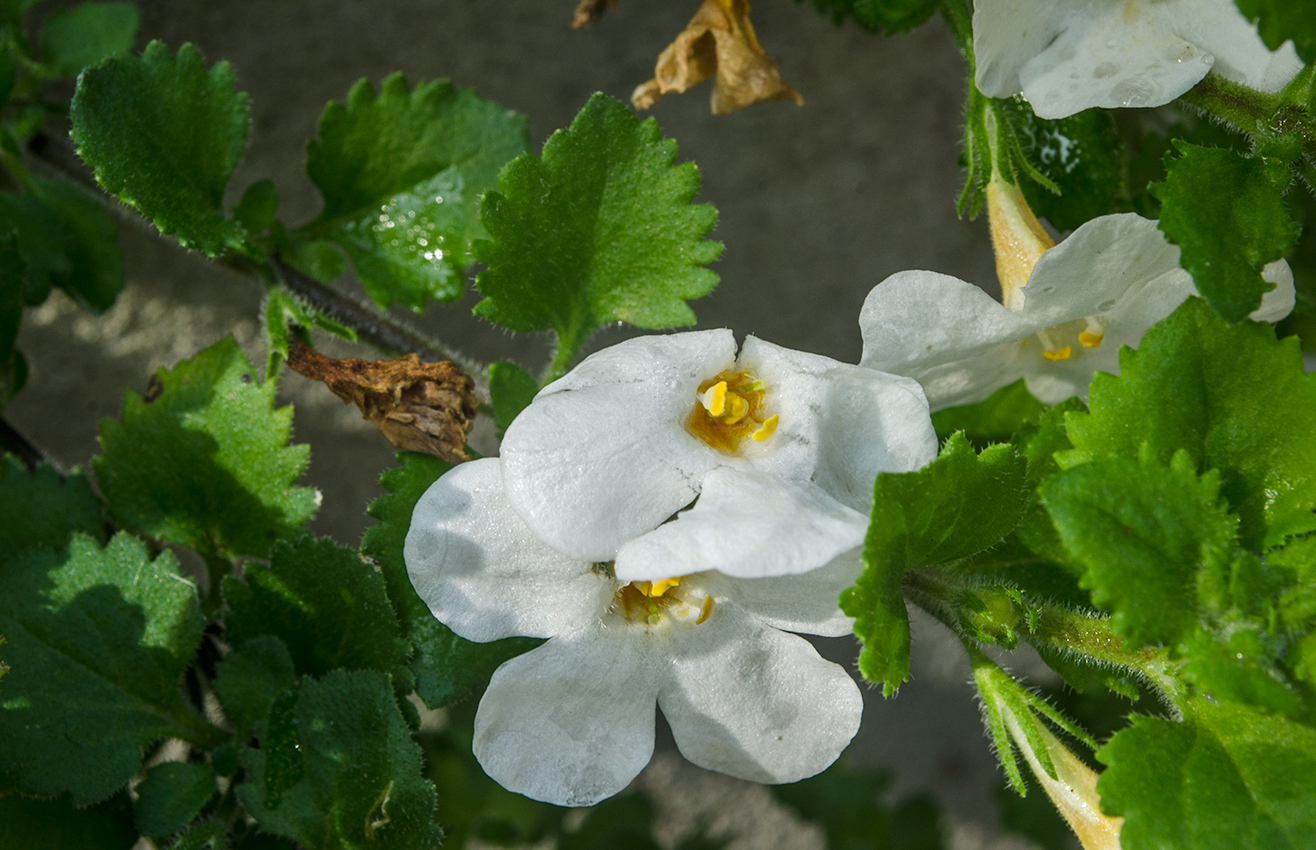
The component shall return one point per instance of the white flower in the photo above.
(1070, 55)
(780, 447)
(1101, 288)
(572, 722)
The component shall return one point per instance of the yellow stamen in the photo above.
(658, 588)
(1017, 239)
(1058, 354)
(1089, 339)
(715, 400)
(705, 610)
(766, 430)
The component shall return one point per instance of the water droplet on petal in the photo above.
(1105, 69)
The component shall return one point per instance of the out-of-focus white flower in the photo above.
(1070, 55)
(1067, 309)
(780, 448)
(572, 722)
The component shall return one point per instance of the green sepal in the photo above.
(598, 229)
(164, 135)
(39, 508)
(202, 460)
(76, 38)
(337, 768)
(171, 796)
(1243, 405)
(96, 640)
(1225, 777)
(953, 508)
(327, 605)
(402, 173)
(446, 666)
(1223, 211)
(512, 389)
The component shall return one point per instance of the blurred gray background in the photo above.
(817, 205)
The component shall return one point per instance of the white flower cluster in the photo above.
(670, 512)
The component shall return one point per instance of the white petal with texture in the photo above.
(571, 722)
(746, 524)
(602, 455)
(482, 572)
(805, 603)
(756, 703)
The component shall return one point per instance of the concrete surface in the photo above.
(818, 204)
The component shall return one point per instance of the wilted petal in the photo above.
(718, 40)
(756, 703)
(746, 524)
(602, 455)
(482, 572)
(571, 722)
(805, 603)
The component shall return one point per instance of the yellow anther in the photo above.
(715, 399)
(658, 588)
(1089, 339)
(705, 610)
(1058, 354)
(765, 430)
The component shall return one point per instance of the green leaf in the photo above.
(1223, 211)
(202, 461)
(171, 796)
(96, 643)
(955, 507)
(251, 678)
(512, 389)
(1083, 156)
(402, 173)
(37, 238)
(165, 135)
(1226, 777)
(1281, 20)
(41, 509)
(91, 244)
(325, 603)
(600, 229)
(885, 16)
(996, 419)
(33, 824)
(73, 39)
(1242, 404)
(354, 779)
(258, 207)
(1143, 533)
(446, 666)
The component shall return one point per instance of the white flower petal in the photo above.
(948, 335)
(840, 424)
(1278, 302)
(571, 722)
(482, 572)
(805, 603)
(1006, 34)
(746, 524)
(1218, 27)
(1117, 54)
(602, 454)
(756, 703)
(1100, 262)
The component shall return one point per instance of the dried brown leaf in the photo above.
(418, 407)
(589, 11)
(718, 40)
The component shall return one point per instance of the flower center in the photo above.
(1090, 337)
(728, 408)
(649, 602)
